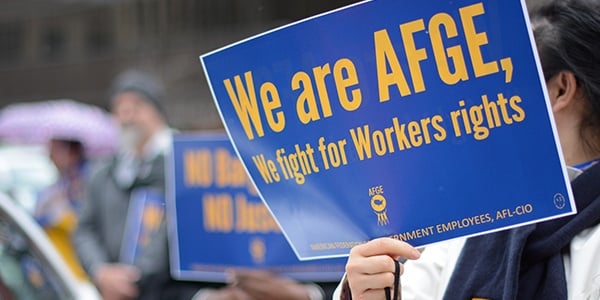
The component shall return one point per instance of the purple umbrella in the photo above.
(38, 122)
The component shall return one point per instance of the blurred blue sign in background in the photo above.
(217, 221)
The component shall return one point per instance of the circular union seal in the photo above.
(378, 203)
(258, 250)
(559, 201)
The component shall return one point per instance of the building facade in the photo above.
(55, 49)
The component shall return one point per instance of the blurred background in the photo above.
(53, 49)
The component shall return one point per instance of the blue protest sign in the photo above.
(421, 120)
(145, 216)
(217, 221)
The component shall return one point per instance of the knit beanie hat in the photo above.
(146, 85)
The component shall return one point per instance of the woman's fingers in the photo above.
(371, 266)
(374, 294)
(389, 246)
(372, 281)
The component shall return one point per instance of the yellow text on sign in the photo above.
(219, 167)
(225, 213)
(441, 28)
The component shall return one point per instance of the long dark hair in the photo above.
(567, 34)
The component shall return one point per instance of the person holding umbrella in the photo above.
(58, 206)
(74, 133)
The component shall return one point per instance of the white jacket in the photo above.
(427, 277)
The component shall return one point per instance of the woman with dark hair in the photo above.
(58, 206)
(556, 259)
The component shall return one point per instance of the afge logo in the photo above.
(378, 204)
(258, 250)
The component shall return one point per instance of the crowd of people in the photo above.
(85, 211)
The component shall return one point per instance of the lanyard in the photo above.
(584, 166)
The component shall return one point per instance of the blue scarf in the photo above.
(526, 262)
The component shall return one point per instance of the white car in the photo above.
(30, 266)
(24, 171)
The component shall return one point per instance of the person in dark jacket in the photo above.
(132, 187)
(135, 172)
